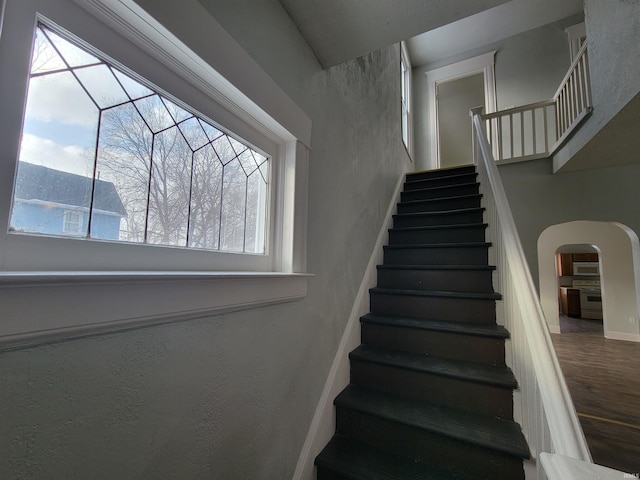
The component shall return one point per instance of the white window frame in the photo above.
(407, 98)
(260, 112)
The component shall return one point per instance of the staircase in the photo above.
(430, 396)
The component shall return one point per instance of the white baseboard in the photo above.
(323, 423)
(628, 337)
(554, 328)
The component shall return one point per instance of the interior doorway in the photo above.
(454, 100)
(482, 65)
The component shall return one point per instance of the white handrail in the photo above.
(549, 420)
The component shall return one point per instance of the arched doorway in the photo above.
(619, 250)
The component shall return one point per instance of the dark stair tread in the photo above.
(501, 377)
(453, 176)
(439, 227)
(440, 172)
(443, 187)
(440, 245)
(437, 267)
(436, 293)
(489, 432)
(441, 199)
(436, 213)
(490, 331)
(356, 461)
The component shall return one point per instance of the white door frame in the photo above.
(481, 64)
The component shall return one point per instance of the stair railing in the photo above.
(542, 404)
(539, 129)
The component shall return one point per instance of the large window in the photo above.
(140, 167)
(124, 202)
(168, 165)
(405, 96)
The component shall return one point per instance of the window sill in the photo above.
(45, 307)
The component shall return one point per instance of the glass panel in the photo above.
(247, 161)
(55, 166)
(74, 56)
(237, 146)
(233, 208)
(133, 88)
(169, 189)
(155, 113)
(223, 149)
(44, 57)
(206, 200)
(212, 132)
(59, 98)
(193, 132)
(177, 113)
(102, 85)
(264, 170)
(256, 214)
(124, 159)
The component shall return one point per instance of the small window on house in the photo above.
(105, 155)
(72, 222)
(405, 81)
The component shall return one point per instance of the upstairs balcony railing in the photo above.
(539, 129)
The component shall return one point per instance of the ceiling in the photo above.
(487, 27)
(341, 30)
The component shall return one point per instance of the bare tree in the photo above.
(173, 179)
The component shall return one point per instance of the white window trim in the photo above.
(404, 54)
(117, 299)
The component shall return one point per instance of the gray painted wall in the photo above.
(528, 68)
(229, 397)
(539, 199)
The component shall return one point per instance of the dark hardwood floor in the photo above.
(603, 377)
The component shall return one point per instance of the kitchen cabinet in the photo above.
(570, 300)
(565, 261)
(584, 257)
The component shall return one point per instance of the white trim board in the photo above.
(42, 308)
(481, 64)
(323, 424)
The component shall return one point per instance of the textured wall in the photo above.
(229, 397)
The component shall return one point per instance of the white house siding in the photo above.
(229, 397)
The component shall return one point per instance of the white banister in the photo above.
(539, 129)
(542, 404)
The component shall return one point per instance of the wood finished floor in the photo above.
(603, 377)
